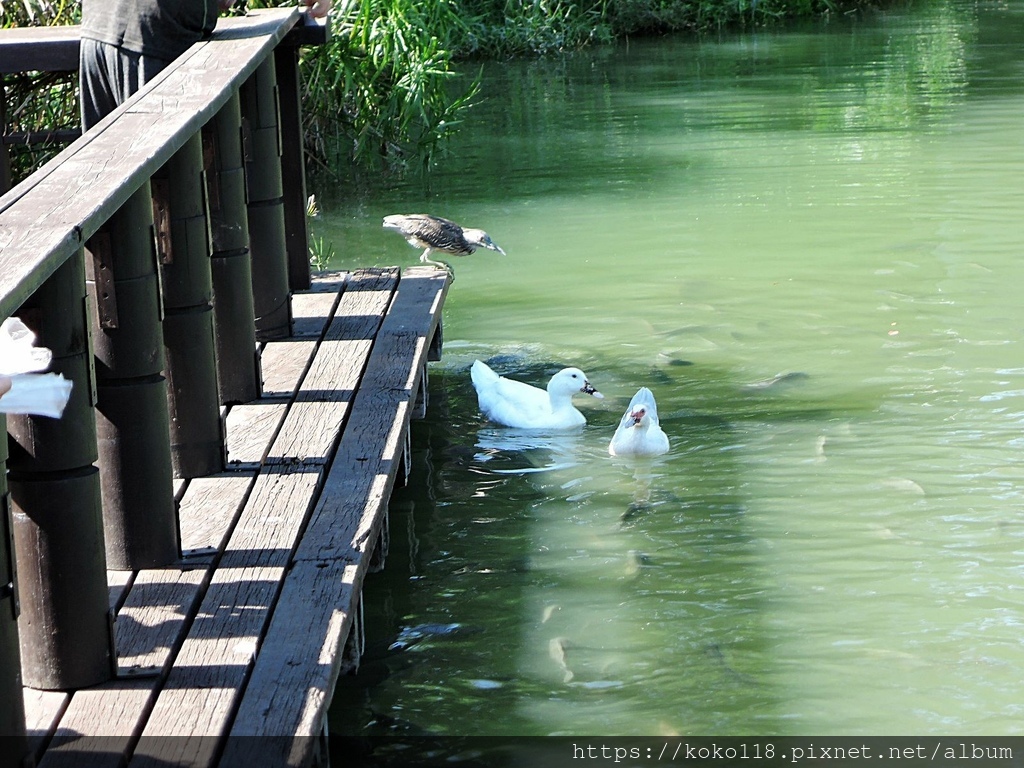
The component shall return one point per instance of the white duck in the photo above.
(639, 433)
(516, 404)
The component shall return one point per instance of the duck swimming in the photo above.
(639, 433)
(516, 404)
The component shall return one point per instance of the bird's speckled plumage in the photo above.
(432, 233)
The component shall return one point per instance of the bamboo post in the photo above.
(266, 203)
(139, 516)
(64, 625)
(184, 246)
(293, 166)
(238, 365)
(12, 705)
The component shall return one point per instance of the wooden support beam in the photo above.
(179, 195)
(238, 365)
(12, 703)
(293, 166)
(140, 522)
(58, 529)
(260, 110)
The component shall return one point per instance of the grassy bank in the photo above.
(384, 95)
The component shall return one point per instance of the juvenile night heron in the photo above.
(432, 233)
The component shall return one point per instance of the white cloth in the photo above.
(37, 394)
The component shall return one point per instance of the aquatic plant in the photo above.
(381, 92)
(41, 107)
(386, 92)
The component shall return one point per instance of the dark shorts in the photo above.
(109, 76)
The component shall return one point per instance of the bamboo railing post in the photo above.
(64, 627)
(266, 203)
(293, 165)
(238, 367)
(139, 517)
(184, 245)
(13, 735)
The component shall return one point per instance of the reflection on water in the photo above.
(807, 244)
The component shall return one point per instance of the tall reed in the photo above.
(384, 94)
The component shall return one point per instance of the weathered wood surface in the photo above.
(42, 49)
(290, 688)
(326, 392)
(262, 604)
(45, 219)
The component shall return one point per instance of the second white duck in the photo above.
(516, 404)
(639, 433)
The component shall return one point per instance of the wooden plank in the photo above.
(312, 311)
(209, 507)
(39, 49)
(107, 744)
(284, 364)
(289, 690)
(43, 710)
(389, 384)
(46, 218)
(326, 391)
(149, 626)
(199, 697)
(118, 584)
(250, 429)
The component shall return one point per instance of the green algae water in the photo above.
(808, 244)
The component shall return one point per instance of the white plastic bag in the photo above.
(38, 394)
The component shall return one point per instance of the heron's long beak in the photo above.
(498, 248)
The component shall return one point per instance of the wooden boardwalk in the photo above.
(230, 656)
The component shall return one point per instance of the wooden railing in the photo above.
(150, 256)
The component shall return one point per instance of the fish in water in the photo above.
(781, 378)
(556, 650)
(409, 636)
(436, 235)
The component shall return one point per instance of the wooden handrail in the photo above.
(51, 214)
(55, 49)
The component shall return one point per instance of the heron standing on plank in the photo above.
(432, 233)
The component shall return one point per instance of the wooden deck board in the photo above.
(284, 363)
(312, 311)
(160, 604)
(292, 683)
(245, 637)
(326, 391)
(209, 507)
(250, 429)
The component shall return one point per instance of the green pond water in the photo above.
(808, 243)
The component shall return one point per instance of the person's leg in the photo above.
(99, 95)
(109, 76)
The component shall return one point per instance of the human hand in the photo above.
(318, 8)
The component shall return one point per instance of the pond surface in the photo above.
(808, 244)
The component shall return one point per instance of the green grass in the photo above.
(383, 95)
